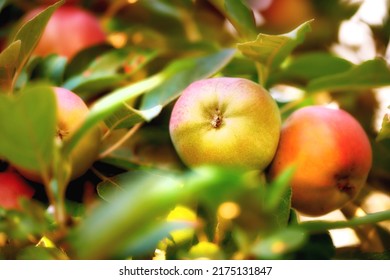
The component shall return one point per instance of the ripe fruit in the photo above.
(332, 155)
(71, 112)
(69, 30)
(12, 188)
(285, 15)
(225, 121)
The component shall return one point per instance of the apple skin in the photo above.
(227, 122)
(71, 112)
(285, 15)
(12, 188)
(332, 156)
(69, 30)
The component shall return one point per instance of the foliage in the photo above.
(118, 209)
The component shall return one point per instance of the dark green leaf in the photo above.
(109, 69)
(310, 66)
(241, 17)
(28, 127)
(51, 68)
(2, 3)
(369, 74)
(8, 63)
(385, 129)
(30, 33)
(183, 73)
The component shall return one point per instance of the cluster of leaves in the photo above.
(140, 180)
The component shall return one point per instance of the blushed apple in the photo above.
(71, 112)
(225, 121)
(69, 30)
(332, 156)
(12, 189)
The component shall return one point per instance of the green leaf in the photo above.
(28, 127)
(2, 3)
(271, 50)
(30, 33)
(278, 189)
(184, 72)
(109, 69)
(8, 63)
(21, 225)
(310, 66)
(384, 132)
(241, 17)
(41, 253)
(51, 68)
(145, 197)
(369, 74)
(278, 244)
(128, 118)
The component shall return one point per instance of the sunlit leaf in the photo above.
(271, 50)
(8, 63)
(369, 74)
(385, 129)
(28, 127)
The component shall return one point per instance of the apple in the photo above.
(205, 250)
(69, 30)
(71, 112)
(332, 156)
(225, 121)
(12, 188)
(285, 15)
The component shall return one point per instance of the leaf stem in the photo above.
(319, 226)
(125, 137)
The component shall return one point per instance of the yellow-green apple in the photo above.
(332, 156)
(225, 121)
(12, 189)
(71, 113)
(69, 30)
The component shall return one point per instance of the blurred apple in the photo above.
(71, 112)
(69, 30)
(225, 121)
(285, 15)
(12, 189)
(332, 154)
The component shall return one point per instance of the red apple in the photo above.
(71, 112)
(69, 30)
(332, 155)
(225, 121)
(285, 15)
(12, 188)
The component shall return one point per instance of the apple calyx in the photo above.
(217, 118)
